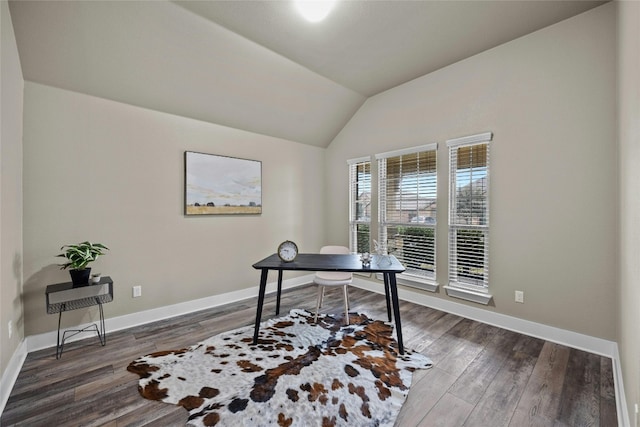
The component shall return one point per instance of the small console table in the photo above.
(63, 297)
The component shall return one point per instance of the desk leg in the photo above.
(263, 287)
(279, 292)
(396, 310)
(386, 295)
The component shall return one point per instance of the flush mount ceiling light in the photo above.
(314, 10)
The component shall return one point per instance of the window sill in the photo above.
(468, 295)
(414, 282)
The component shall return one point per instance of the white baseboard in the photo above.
(548, 333)
(537, 330)
(10, 374)
(48, 339)
(618, 385)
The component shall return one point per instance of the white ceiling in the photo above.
(257, 65)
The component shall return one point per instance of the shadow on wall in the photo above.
(36, 319)
(18, 302)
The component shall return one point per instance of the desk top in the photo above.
(332, 262)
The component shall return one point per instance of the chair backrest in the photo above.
(334, 275)
(334, 250)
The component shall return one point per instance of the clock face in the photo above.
(287, 251)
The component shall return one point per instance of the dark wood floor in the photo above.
(482, 375)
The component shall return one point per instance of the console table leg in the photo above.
(58, 347)
(102, 335)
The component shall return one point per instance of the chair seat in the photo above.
(334, 275)
(328, 282)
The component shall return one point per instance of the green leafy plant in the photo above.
(80, 255)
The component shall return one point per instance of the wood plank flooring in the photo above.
(482, 375)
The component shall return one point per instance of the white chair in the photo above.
(333, 278)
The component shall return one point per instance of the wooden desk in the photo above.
(388, 265)
(63, 297)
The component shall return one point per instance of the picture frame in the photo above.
(221, 185)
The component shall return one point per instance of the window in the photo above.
(469, 212)
(360, 204)
(407, 208)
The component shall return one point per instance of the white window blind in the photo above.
(360, 204)
(407, 196)
(469, 211)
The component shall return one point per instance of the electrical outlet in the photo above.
(520, 297)
(137, 291)
(10, 327)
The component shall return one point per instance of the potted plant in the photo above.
(78, 257)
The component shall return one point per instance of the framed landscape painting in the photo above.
(221, 185)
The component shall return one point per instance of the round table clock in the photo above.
(287, 251)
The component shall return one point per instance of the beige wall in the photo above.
(113, 173)
(10, 192)
(549, 98)
(629, 134)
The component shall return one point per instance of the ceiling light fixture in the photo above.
(314, 10)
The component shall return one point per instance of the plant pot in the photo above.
(80, 277)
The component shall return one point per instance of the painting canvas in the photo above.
(220, 185)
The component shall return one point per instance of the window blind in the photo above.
(469, 211)
(407, 197)
(360, 204)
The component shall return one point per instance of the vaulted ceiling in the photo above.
(257, 65)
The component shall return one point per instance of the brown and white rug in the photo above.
(299, 374)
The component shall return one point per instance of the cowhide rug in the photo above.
(299, 374)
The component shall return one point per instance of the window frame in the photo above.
(425, 279)
(354, 222)
(459, 286)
